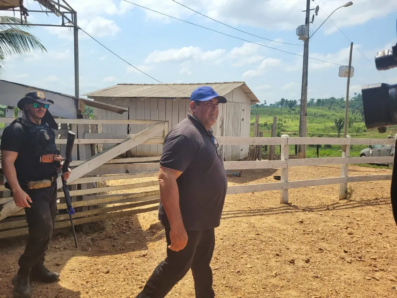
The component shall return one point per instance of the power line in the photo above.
(356, 48)
(121, 58)
(287, 43)
(232, 36)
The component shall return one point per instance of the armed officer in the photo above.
(31, 162)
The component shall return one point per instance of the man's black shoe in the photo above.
(41, 273)
(21, 283)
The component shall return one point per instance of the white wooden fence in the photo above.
(285, 163)
(105, 166)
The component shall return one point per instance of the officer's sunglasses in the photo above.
(215, 142)
(39, 105)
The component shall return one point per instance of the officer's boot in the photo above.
(41, 273)
(21, 283)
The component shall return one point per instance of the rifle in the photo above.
(65, 168)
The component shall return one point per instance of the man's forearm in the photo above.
(169, 195)
(11, 174)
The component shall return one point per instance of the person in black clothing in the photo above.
(31, 161)
(193, 187)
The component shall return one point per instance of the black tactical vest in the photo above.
(38, 140)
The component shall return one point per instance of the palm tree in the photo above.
(16, 41)
(339, 124)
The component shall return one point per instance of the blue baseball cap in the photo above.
(206, 93)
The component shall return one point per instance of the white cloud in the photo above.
(269, 62)
(184, 54)
(266, 64)
(102, 58)
(247, 60)
(340, 57)
(100, 27)
(245, 50)
(290, 86)
(186, 68)
(109, 79)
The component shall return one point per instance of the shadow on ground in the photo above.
(290, 208)
(112, 237)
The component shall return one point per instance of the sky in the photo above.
(172, 51)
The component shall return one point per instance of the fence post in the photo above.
(272, 148)
(284, 171)
(344, 170)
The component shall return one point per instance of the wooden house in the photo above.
(170, 102)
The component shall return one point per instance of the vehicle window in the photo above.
(377, 146)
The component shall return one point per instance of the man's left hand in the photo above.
(67, 174)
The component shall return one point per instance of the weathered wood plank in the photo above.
(80, 221)
(97, 161)
(89, 121)
(109, 188)
(255, 188)
(263, 164)
(111, 198)
(121, 160)
(250, 141)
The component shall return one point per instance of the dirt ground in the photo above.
(317, 246)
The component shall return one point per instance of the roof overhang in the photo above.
(66, 105)
(104, 106)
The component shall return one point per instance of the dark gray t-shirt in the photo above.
(190, 148)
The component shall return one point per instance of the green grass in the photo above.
(320, 122)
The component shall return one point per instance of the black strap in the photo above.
(393, 192)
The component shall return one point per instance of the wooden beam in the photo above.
(109, 199)
(264, 164)
(250, 141)
(368, 178)
(109, 188)
(121, 160)
(113, 177)
(79, 221)
(89, 121)
(255, 188)
(152, 141)
(98, 160)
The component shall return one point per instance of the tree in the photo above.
(16, 41)
(282, 102)
(339, 124)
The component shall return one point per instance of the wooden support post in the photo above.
(284, 171)
(318, 150)
(272, 148)
(260, 146)
(344, 171)
(256, 134)
(9, 113)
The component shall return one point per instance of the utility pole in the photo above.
(76, 57)
(305, 74)
(347, 91)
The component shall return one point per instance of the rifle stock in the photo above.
(65, 168)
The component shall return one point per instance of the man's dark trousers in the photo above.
(41, 219)
(196, 255)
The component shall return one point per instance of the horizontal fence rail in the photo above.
(95, 202)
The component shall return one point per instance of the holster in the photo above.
(39, 184)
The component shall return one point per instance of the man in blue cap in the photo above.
(30, 161)
(193, 187)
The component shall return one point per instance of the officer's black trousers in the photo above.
(41, 219)
(196, 255)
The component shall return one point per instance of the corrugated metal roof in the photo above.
(168, 90)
